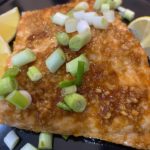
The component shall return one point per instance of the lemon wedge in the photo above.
(141, 29)
(4, 55)
(8, 24)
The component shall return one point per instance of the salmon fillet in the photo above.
(117, 85)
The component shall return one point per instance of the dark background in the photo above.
(141, 7)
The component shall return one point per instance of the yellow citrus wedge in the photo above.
(141, 29)
(4, 55)
(8, 24)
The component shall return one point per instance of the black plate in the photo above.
(141, 7)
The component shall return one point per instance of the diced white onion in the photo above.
(27, 95)
(109, 15)
(82, 26)
(82, 6)
(71, 25)
(79, 15)
(28, 146)
(89, 16)
(11, 140)
(100, 22)
(59, 19)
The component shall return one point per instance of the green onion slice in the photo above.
(45, 141)
(7, 85)
(34, 74)
(12, 72)
(24, 57)
(69, 90)
(65, 137)
(76, 102)
(79, 41)
(62, 38)
(72, 66)
(66, 83)
(81, 6)
(28, 146)
(18, 99)
(63, 106)
(80, 73)
(55, 60)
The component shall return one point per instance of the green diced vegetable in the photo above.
(63, 106)
(34, 74)
(7, 85)
(45, 141)
(76, 102)
(18, 99)
(55, 60)
(12, 72)
(128, 14)
(79, 41)
(24, 57)
(62, 38)
(69, 90)
(72, 66)
(66, 83)
(28, 146)
(65, 137)
(80, 73)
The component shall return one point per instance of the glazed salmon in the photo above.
(117, 85)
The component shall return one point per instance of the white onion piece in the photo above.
(100, 22)
(27, 95)
(79, 15)
(71, 25)
(82, 26)
(89, 16)
(82, 6)
(105, 7)
(11, 140)
(109, 15)
(28, 146)
(59, 19)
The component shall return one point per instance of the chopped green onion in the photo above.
(105, 7)
(11, 140)
(100, 22)
(63, 106)
(24, 57)
(26, 94)
(71, 25)
(70, 13)
(128, 14)
(83, 26)
(79, 14)
(28, 146)
(45, 141)
(79, 41)
(97, 4)
(62, 38)
(69, 90)
(55, 60)
(121, 9)
(76, 102)
(72, 66)
(82, 6)
(2, 98)
(66, 83)
(18, 99)
(7, 85)
(88, 17)
(109, 15)
(65, 137)
(34, 74)
(59, 19)
(80, 73)
(11, 72)
(116, 4)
